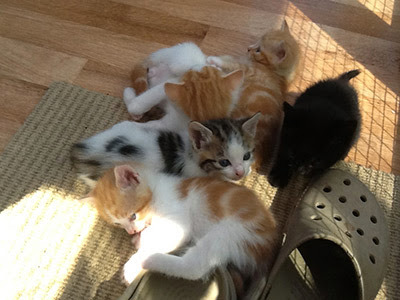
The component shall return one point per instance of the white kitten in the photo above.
(165, 64)
(226, 222)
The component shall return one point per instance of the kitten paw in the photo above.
(152, 72)
(214, 61)
(153, 262)
(129, 95)
(131, 270)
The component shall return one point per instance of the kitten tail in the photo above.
(349, 75)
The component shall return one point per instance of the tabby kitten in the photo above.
(222, 147)
(318, 130)
(269, 68)
(206, 211)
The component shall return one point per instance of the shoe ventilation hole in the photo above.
(316, 218)
(347, 181)
(337, 218)
(342, 199)
(375, 240)
(348, 234)
(356, 213)
(327, 189)
(320, 205)
(363, 198)
(360, 231)
(373, 219)
(372, 258)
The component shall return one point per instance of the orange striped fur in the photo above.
(225, 199)
(111, 204)
(206, 94)
(270, 68)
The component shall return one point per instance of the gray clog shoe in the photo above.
(336, 244)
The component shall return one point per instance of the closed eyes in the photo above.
(224, 162)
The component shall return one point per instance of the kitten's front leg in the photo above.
(138, 105)
(226, 63)
(129, 97)
(161, 237)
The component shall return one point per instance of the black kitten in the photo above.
(318, 130)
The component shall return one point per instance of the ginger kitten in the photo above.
(207, 212)
(269, 68)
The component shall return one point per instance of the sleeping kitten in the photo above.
(318, 130)
(162, 65)
(222, 147)
(207, 212)
(269, 68)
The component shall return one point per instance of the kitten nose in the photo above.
(239, 173)
(130, 230)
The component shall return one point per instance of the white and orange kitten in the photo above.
(164, 64)
(225, 223)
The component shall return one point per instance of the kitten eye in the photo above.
(224, 162)
(258, 50)
(117, 224)
(133, 217)
(247, 156)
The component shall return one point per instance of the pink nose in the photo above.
(130, 230)
(239, 173)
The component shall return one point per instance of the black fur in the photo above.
(115, 142)
(172, 149)
(318, 130)
(130, 150)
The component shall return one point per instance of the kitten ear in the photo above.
(199, 134)
(285, 26)
(174, 90)
(279, 52)
(234, 79)
(125, 177)
(250, 125)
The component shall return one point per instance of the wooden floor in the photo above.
(94, 43)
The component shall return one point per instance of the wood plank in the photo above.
(17, 101)
(85, 41)
(119, 18)
(353, 18)
(35, 64)
(214, 13)
(104, 78)
(220, 41)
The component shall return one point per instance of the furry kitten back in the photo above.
(222, 147)
(206, 94)
(208, 212)
(318, 130)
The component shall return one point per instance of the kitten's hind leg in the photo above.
(164, 237)
(129, 97)
(218, 247)
(144, 102)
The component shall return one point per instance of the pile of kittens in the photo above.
(169, 181)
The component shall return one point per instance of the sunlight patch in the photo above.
(324, 57)
(42, 234)
(381, 8)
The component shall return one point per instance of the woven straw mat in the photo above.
(54, 247)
